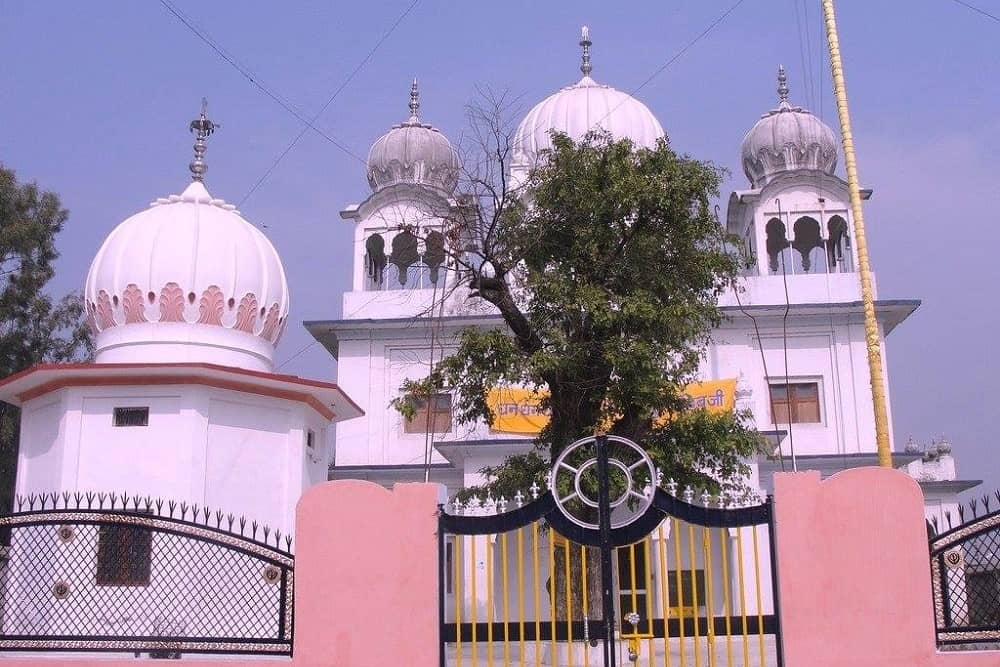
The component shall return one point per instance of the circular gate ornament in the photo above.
(60, 590)
(574, 481)
(954, 559)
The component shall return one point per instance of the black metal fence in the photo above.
(118, 573)
(965, 575)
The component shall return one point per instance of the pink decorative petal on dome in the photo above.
(211, 306)
(91, 319)
(172, 303)
(246, 315)
(105, 315)
(132, 304)
(271, 324)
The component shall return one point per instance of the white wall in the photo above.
(238, 452)
(41, 456)
(158, 459)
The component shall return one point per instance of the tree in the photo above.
(33, 327)
(606, 267)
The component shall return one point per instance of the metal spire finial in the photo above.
(414, 101)
(202, 128)
(782, 85)
(585, 42)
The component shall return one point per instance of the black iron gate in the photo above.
(606, 567)
(965, 577)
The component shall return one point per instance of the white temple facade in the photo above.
(792, 348)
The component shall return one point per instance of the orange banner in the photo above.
(517, 410)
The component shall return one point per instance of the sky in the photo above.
(95, 99)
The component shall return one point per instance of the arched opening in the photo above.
(809, 244)
(776, 242)
(416, 262)
(836, 242)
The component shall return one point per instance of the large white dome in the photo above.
(578, 109)
(187, 280)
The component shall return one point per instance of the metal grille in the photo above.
(965, 567)
(698, 578)
(128, 581)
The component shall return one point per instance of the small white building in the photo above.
(187, 301)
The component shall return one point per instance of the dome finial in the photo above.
(782, 85)
(202, 128)
(585, 42)
(414, 102)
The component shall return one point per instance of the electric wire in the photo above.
(336, 93)
(299, 353)
(254, 80)
(985, 13)
(784, 345)
(802, 55)
(805, 29)
(760, 343)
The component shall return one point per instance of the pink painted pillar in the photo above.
(366, 567)
(854, 572)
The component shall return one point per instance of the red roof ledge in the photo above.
(326, 398)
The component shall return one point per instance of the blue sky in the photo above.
(95, 99)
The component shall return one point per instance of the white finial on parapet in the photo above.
(203, 129)
(414, 102)
(585, 43)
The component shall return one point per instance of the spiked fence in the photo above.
(965, 574)
(119, 572)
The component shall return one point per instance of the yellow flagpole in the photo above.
(872, 341)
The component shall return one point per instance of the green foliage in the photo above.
(34, 328)
(607, 276)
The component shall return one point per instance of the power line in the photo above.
(711, 26)
(308, 124)
(253, 78)
(978, 10)
(300, 352)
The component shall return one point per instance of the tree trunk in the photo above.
(575, 611)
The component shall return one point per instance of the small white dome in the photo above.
(578, 109)
(413, 152)
(188, 279)
(785, 139)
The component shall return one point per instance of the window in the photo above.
(684, 604)
(431, 415)
(132, 416)
(124, 555)
(795, 403)
(449, 567)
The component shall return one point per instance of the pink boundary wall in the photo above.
(854, 574)
(852, 559)
(365, 583)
